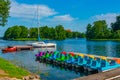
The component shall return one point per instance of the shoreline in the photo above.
(103, 39)
(35, 39)
(11, 71)
(25, 39)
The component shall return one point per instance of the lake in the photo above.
(26, 59)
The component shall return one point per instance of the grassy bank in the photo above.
(104, 39)
(27, 39)
(12, 70)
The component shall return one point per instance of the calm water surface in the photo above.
(26, 59)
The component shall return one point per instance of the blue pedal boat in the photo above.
(105, 66)
(53, 56)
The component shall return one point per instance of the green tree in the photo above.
(81, 35)
(89, 32)
(99, 29)
(116, 34)
(75, 34)
(45, 31)
(69, 34)
(33, 32)
(116, 26)
(16, 31)
(24, 32)
(8, 33)
(51, 33)
(60, 33)
(12, 32)
(108, 34)
(4, 11)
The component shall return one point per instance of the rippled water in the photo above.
(26, 59)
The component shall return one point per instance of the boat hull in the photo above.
(11, 49)
(43, 45)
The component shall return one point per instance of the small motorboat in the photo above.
(9, 49)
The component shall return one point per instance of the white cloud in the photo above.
(30, 11)
(109, 17)
(62, 18)
(26, 12)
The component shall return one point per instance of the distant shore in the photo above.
(35, 39)
(25, 39)
(103, 39)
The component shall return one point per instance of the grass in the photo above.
(12, 70)
(27, 39)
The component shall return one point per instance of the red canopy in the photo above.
(72, 53)
(64, 52)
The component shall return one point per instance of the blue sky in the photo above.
(72, 14)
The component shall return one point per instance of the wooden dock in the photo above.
(19, 48)
(108, 75)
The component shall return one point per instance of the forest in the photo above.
(54, 33)
(100, 30)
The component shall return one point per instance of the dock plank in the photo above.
(23, 48)
(102, 75)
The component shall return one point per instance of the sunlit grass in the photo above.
(12, 70)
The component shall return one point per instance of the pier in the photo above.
(107, 75)
(19, 48)
(16, 48)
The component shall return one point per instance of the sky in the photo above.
(72, 14)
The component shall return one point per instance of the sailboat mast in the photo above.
(38, 23)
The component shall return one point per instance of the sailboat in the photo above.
(40, 43)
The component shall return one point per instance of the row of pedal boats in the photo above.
(79, 60)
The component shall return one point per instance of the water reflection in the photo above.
(61, 72)
(104, 48)
(116, 50)
(45, 49)
(72, 45)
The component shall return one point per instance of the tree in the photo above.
(12, 32)
(45, 31)
(99, 29)
(116, 26)
(89, 31)
(33, 32)
(60, 33)
(69, 34)
(51, 33)
(81, 35)
(16, 31)
(8, 33)
(24, 32)
(116, 34)
(4, 11)
(108, 34)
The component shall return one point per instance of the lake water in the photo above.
(26, 59)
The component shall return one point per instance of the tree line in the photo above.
(100, 30)
(4, 11)
(57, 33)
